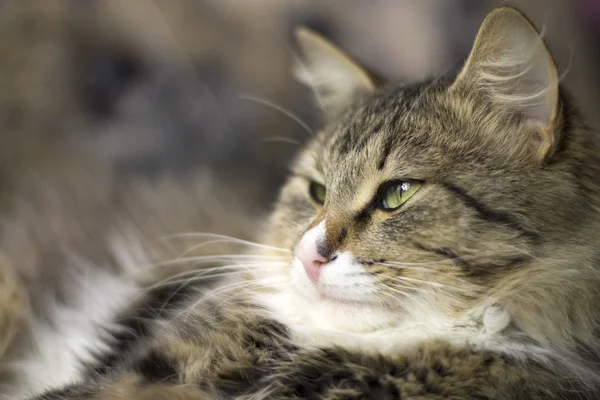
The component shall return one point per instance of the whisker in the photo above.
(228, 288)
(236, 285)
(210, 274)
(209, 242)
(224, 238)
(281, 139)
(435, 284)
(404, 278)
(282, 110)
(246, 267)
(200, 277)
(200, 261)
(467, 257)
(204, 244)
(397, 290)
(402, 265)
(220, 290)
(419, 265)
(404, 286)
(390, 295)
(244, 284)
(232, 257)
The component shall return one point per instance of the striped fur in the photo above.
(483, 285)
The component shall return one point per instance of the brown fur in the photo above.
(231, 351)
(506, 217)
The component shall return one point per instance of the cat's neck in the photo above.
(363, 328)
(492, 326)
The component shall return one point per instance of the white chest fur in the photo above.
(369, 330)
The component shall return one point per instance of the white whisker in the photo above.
(227, 288)
(204, 244)
(391, 296)
(281, 139)
(226, 257)
(224, 238)
(467, 257)
(436, 284)
(201, 277)
(282, 110)
(403, 286)
(397, 290)
(245, 267)
(417, 266)
(426, 282)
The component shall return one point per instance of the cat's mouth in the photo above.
(341, 282)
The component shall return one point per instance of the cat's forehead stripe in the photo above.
(365, 192)
(383, 122)
(386, 150)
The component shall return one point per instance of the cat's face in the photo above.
(432, 198)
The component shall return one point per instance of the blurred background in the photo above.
(147, 86)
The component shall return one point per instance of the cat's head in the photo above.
(444, 199)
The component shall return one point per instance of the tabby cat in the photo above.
(434, 241)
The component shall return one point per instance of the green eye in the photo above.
(397, 194)
(317, 192)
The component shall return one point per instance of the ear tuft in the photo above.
(512, 66)
(335, 78)
(511, 63)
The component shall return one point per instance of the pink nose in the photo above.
(307, 252)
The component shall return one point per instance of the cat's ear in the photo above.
(334, 77)
(511, 63)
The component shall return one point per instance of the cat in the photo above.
(433, 241)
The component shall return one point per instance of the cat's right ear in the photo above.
(336, 80)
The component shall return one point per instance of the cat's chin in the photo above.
(331, 304)
(302, 312)
(326, 297)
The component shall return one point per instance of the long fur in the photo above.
(482, 284)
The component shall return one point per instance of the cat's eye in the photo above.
(317, 192)
(393, 196)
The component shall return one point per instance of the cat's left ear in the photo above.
(512, 65)
(335, 78)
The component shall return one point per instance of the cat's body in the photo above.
(434, 241)
(99, 252)
(230, 348)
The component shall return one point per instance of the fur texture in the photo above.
(483, 284)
